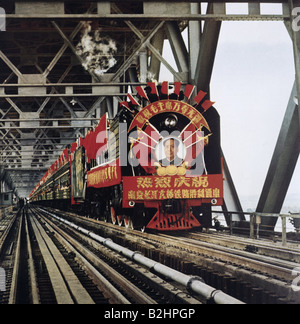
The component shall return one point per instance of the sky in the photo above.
(251, 84)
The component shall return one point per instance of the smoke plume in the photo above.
(96, 51)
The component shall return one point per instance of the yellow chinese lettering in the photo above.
(154, 194)
(199, 182)
(163, 182)
(131, 195)
(169, 105)
(140, 195)
(184, 109)
(177, 194)
(147, 114)
(216, 193)
(185, 194)
(154, 109)
(201, 193)
(191, 113)
(170, 194)
(162, 194)
(140, 119)
(148, 194)
(193, 194)
(176, 106)
(161, 105)
(182, 181)
(145, 183)
(208, 193)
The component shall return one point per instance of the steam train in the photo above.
(157, 165)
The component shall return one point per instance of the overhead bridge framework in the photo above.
(47, 98)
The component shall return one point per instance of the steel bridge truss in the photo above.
(47, 98)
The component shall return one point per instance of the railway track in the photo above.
(54, 263)
(145, 279)
(10, 238)
(50, 260)
(253, 271)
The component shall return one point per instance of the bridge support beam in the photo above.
(282, 165)
(287, 149)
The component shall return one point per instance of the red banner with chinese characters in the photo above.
(104, 176)
(163, 106)
(162, 188)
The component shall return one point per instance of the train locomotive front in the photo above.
(157, 165)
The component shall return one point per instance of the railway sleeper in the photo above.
(71, 284)
(9, 259)
(239, 282)
(158, 289)
(214, 276)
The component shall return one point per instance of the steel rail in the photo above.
(261, 247)
(34, 291)
(167, 290)
(114, 295)
(272, 278)
(15, 281)
(260, 263)
(66, 285)
(194, 284)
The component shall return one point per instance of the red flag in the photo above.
(207, 104)
(142, 92)
(177, 88)
(165, 88)
(153, 87)
(89, 143)
(125, 104)
(73, 147)
(95, 142)
(66, 154)
(200, 96)
(133, 101)
(81, 141)
(189, 90)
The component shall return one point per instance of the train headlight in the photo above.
(214, 201)
(131, 203)
(171, 121)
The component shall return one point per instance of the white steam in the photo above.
(96, 51)
(147, 77)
